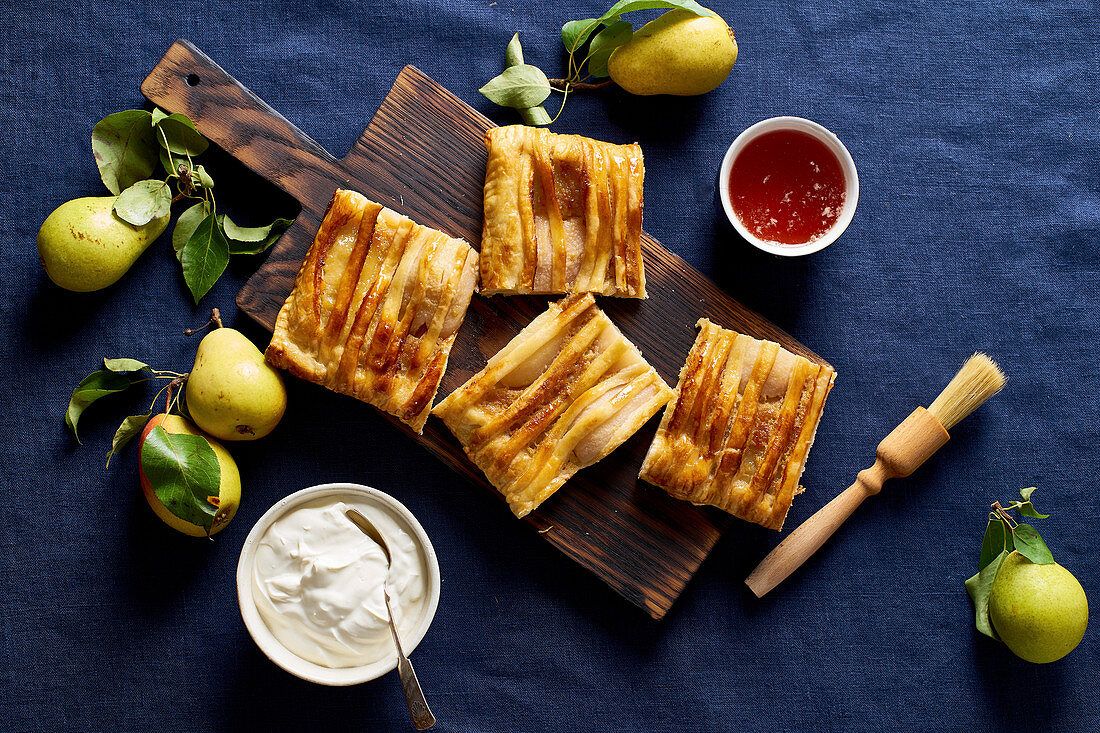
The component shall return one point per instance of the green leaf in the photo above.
(124, 365)
(124, 148)
(186, 225)
(519, 86)
(535, 116)
(576, 32)
(1026, 507)
(1030, 544)
(130, 427)
(158, 115)
(513, 52)
(513, 56)
(604, 43)
(204, 178)
(252, 240)
(204, 257)
(181, 136)
(144, 201)
(979, 587)
(96, 385)
(184, 473)
(629, 6)
(997, 540)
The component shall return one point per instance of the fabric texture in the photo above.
(974, 128)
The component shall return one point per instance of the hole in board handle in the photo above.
(193, 80)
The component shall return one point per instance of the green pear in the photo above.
(231, 392)
(678, 53)
(1039, 611)
(84, 246)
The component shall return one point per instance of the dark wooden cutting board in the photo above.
(423, 155)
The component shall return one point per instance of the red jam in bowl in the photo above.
(787, 187)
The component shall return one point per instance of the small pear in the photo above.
(231, 392)
(229, 492)
(678, 53)
(1039, 611)
(84, 246)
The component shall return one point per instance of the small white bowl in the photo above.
(271, 646)
(832, 142)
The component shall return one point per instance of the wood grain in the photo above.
(422, 154)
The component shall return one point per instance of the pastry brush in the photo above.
(899, 454)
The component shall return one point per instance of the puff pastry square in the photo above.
(739, 428)
(561, 395)
(375, 308)
(563, 214)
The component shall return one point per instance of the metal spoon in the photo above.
(418, 707)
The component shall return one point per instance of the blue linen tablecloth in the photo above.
(974, 127)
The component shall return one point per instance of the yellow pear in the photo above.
(678, 53)
(229, 493)
(84, 246)
(1039, 611)
(231, 392)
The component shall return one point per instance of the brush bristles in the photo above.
(979, 379)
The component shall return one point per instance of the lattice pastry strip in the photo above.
(375, 308)
(739, 428)
(563, 214)
(561, 395)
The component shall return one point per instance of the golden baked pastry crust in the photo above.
(563, 214)
(738, 430)
(561, 395)
(375, 308)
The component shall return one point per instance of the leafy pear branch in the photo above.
(1003, 535)
(129, 146)
(189, 479)
(117, 375)
(525, 87)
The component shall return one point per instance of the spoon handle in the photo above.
(414, 697)
(418, 707)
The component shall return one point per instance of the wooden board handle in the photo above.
(226, 112)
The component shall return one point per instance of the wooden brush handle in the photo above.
(899, 454)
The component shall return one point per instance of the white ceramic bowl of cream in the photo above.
(397, 525)
(837, 148)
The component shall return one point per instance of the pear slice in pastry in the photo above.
(561, 395)
(738, 430)
(375, 308)
(563, 214)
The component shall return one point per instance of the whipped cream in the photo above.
(318, 583)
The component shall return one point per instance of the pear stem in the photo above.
(1000, 510)
(215, 319)
(580, 86)
(171, 389)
